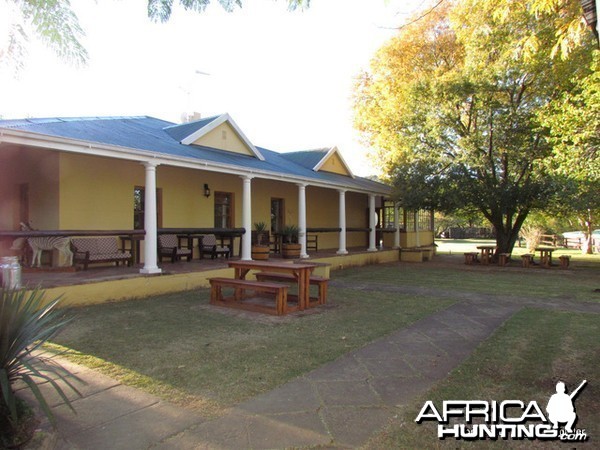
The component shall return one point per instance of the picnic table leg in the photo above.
(303, 289)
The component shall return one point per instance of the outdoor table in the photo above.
(486, 253)
(301, 272)
(545, 255)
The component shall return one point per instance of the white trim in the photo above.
(29, 138)
(214, 124)
(333, 150)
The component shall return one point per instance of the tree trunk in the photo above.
(507, 231)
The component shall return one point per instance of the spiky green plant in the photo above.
(26, 322)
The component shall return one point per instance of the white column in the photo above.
(342, 222)
(372, 224)
(397, 225)
(150, 225)
(247, 219)
(302, 220)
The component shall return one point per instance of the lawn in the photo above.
(523, 360)
(182, 349)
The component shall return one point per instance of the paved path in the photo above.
(338, 405)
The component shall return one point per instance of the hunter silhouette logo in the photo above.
(508, 419)
(560, 407)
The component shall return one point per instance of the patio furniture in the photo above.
(471, 258)
(300, 271)
(486, 253)
(503, 259)
(564, 261)
(169, 246)
(99, 250)
(312, 242)
(527, 259)
(240, 287)
(314, 280)
(208, 245)
(545, 255)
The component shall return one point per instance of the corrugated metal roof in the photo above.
(307, 158)
(162, 137)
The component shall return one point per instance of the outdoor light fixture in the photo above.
(206, 190)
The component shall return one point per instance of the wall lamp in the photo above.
(206, 190)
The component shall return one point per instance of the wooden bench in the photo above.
(503, 259)
(99, 250)
(471, 258)
(565, 260)
(240, 286)
(314, 280)
(527, 259)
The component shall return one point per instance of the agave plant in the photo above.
(26, 322)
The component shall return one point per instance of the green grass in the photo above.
(523, 360)
(181, 349)
(178, 348)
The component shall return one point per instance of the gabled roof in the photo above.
(317, 159)
(143, 138)
(189, 133)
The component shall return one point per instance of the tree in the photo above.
(451, 107)
(55, 23)
(573, 120)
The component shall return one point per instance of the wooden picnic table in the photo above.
(300, 271)
(486, 253)
(545, 255)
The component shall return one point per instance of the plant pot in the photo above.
(260, 252)
(291, 251)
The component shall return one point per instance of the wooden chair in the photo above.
(312, 242)
(208, 244)
(168, 245)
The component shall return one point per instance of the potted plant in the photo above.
(260, 241)
(290, 247)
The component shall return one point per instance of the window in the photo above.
(388, 214)
(224, 210)
(423, 220)
(139, 206)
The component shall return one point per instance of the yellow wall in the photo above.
(224, 137)
(85, 192)
(97, 193)
(39, 170)
(334, 164)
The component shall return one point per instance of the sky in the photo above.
(286, 78)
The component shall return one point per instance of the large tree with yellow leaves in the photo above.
(451, 107)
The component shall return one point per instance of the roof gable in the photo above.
(219, 132)
(334, 162)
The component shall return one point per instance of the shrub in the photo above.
(26, 322)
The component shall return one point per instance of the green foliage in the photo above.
(160, 10)
(290, 233)
(53, 21)
(26, 322)
(452, 106)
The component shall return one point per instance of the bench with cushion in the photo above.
(241, 286)
(168, 245)
(99, 250)
(315, 280)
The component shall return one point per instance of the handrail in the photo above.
(57, 233)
